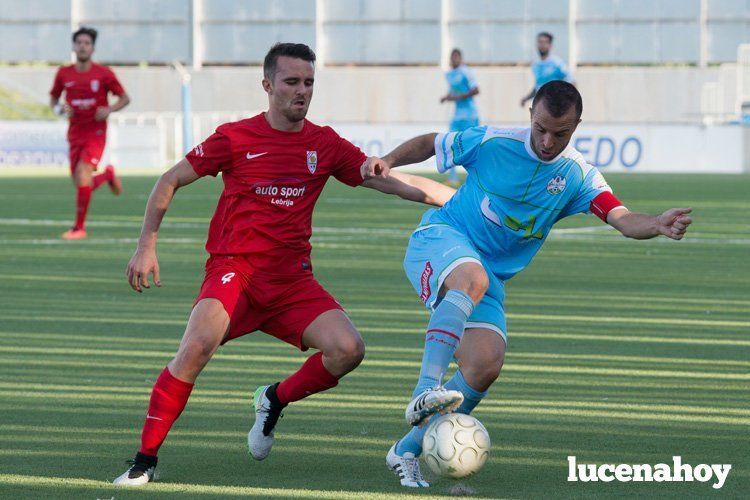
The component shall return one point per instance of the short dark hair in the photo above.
(456, 51)
(546, 34)
(558, 97)
(296, 50)
(83, 30)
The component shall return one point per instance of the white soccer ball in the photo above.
(455, 445)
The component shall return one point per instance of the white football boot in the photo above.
(141, 471)
(433, 401)
(406, 468)
(260, 437)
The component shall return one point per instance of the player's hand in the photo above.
(67, 110)
(523, 102)
(374, 167)
(102, 113)
(443, 99)
(142, 263)
(674, 222)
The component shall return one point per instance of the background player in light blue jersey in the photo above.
(520, 183)
(462, 87)
(548, 67)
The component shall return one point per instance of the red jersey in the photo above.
(272, 180)
(85, 92)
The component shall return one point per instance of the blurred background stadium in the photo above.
(652, 73)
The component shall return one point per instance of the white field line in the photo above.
(200, 225)
(61, 484)
(98, 241)
(573, 233)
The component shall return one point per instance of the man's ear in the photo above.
(267, 85)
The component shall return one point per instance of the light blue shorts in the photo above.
(437, 249)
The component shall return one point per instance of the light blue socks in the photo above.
(444, 332)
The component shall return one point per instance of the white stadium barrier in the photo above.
(139, 147)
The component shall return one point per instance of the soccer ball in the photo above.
(455, 445)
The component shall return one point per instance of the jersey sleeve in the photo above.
(458, 148)
(212, 155)
(113, 84)
(349, 159)
(592, 186)
(57, 86)
(471, 78)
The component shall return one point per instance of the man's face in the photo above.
(456, 60)
(83, 46)
(550, 135)
(543, 45)
(291, 89)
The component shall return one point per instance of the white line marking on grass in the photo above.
(92, 223)
(98, 241)
(197, 225)
(582, 230)
(689, 240)
(586, 233)
(61, 483)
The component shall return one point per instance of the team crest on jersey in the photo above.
(556, 185)
(312, 161)
(95, 85)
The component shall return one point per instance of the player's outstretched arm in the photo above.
(412, 188)
(144, 260)
(673, 223)
(414, 150)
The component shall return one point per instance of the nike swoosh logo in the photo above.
(250, 157)
(155, 418)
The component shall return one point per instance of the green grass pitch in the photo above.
(620, 351)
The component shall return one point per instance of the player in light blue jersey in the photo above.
(520, 183)
(548, 67)
(462, 87)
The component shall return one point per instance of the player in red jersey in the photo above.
(86, 86)
(259, 276)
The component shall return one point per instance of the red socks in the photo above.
(102, 178)
(170, 394)
(83, 199)
(312, 377)
(168, 399)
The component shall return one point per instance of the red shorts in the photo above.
(89, 151)
(279, 305)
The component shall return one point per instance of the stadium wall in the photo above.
(140, 148)
(635, 118)
(408, 94)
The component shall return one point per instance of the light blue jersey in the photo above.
(550, 69)
(500, 217)
(460, 81)
(511, 198)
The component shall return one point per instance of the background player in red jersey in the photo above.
(259, 276)
(86, 86)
